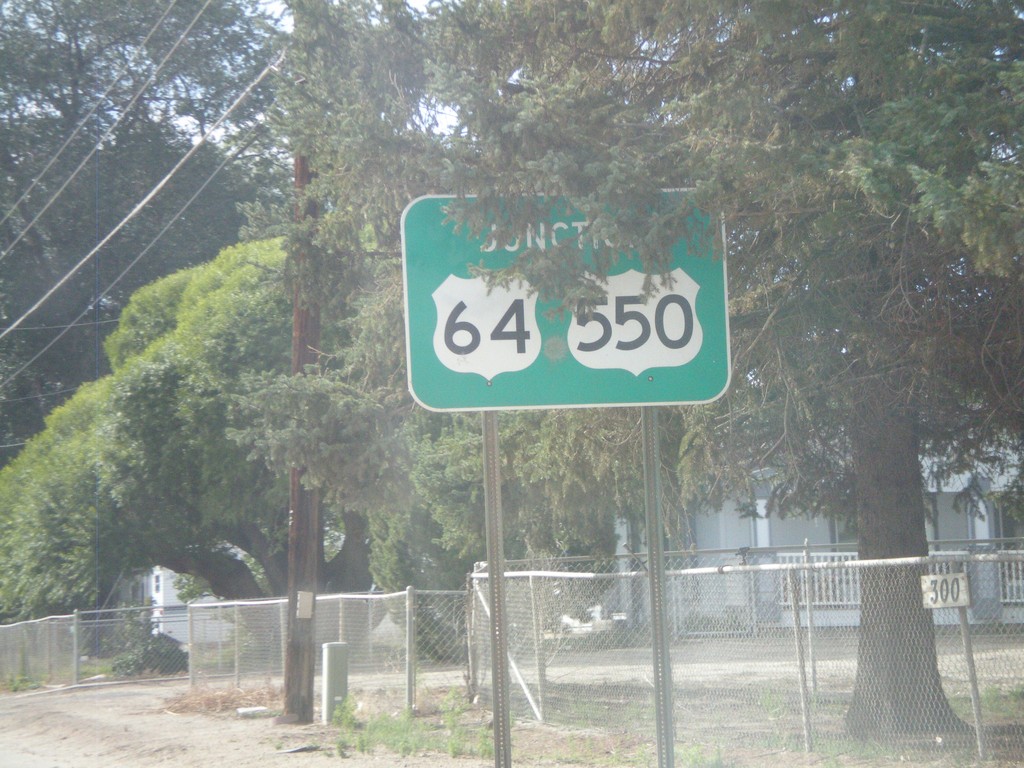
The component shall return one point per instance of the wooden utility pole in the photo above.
(304, 529)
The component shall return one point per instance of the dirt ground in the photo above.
(134, 726)
(139, 725)
(159, 724)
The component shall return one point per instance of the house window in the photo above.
(156, 583)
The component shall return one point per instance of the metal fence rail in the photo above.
(765, 654)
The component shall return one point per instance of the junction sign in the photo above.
(469, 346)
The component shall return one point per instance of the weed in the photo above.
(453, 708)
(213, 700)
(20, 683)
(404, 734)
(344, 714)
(692, 756)
(771, 704)
(485, 744)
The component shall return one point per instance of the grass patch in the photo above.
(1004, 706)
(405, 734)
(17, 683)
(694, 756)
(998, 706)
(90, 668)
(536, 743)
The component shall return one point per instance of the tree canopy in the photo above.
(99, 100)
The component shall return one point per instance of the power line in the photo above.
(75, 323)
(145, 200)
(67, 326)
(89, 114)
(39, 396)
(99, 143)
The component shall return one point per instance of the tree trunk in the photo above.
(269, 554)
(349, 570)
(227, 576)
(898, 689)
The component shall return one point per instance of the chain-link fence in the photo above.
(396, 641)
(779, 651)
(400, 641)
(118, 643)
(769, 649)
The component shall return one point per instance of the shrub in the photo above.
(145, 652)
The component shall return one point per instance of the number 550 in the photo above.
(624, 315)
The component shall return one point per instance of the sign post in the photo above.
(653, 340)
(952, 590)
(662, 660)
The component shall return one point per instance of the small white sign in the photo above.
(304, 605)
(484, 330)
(946, 590)
(635, 330)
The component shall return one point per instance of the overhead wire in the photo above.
(198, 144)
(53, 393)
(88, 115)
(181, 211)
(25, 328)
(99, 143)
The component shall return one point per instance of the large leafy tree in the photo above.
(865, 158)
(59, 543)
(140, 80)
(138, 469)
(188, 495)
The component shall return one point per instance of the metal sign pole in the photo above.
(656, 577)
(496, 590)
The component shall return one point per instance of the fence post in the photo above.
(805, 710)
(47, 626)
(76, 656)
(662, 660)
(538, 647)
(238, 647)
(809, 593)
(972, 674)
(410, 648)
(472, 666)
(282, 617)
(192, 671)
(24, 651)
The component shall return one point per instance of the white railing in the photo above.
(1011, 582)
(838, 588)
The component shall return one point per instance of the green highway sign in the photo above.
(470, 348)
